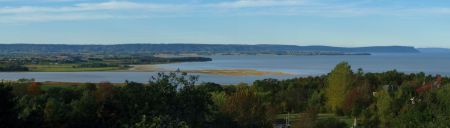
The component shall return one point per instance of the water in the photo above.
(314, 65)
(120, 77)
(297, 65)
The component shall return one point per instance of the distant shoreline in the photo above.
(198, 48)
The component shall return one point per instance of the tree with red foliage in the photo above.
(35, 88)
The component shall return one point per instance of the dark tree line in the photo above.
(12, 67)
(167, 101)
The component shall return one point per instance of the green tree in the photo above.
(194, 106)
(442, 106)
(210, 87)
(55, 113)
(31, 110)
(159, 122)
(330, 123)
(316, 100)
(84, 111)
(247, 109)
(7, 112)
(384, 110)
(339, 81)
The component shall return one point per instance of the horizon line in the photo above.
(216, 44)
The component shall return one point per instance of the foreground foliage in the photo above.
(389, 99)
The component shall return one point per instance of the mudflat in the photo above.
(225, 72)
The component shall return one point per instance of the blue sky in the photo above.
(419, 23)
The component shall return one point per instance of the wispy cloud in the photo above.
(112, 5)
(83, 10)
(55, 17)
(42, 1)
(258, 3)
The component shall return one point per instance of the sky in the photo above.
(349, 23)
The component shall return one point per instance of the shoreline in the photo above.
(224, 72)
(156, 68)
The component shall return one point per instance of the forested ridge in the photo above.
(176, 48)
(341, 98)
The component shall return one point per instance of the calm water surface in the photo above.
(298, 65)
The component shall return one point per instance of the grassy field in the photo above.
(67, 68)
(146, 68)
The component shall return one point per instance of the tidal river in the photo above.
(293, 66)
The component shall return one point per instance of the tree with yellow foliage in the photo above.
(339, 81)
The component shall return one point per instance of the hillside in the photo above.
(156, 48)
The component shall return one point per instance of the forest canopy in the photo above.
(342, 98)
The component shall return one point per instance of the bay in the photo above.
(298, 66)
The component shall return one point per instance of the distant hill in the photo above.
(155, 48)
(434, 50)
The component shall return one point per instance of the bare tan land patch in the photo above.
(225, 72)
